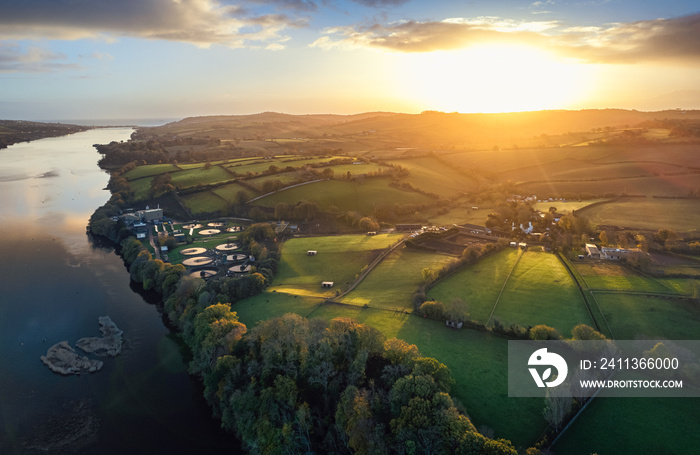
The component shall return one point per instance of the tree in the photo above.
(603, 236)
(240, 198)
(368, 224)
(306, 210)
(557, 406)
(584, 332)
(544, 332)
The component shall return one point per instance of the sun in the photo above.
(492, 78)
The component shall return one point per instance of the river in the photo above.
(54, 284)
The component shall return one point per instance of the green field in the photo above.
(359, 196)
(193, 177)
(613, 276)
(564, 206)
(479, 285)
(671, 186)
(140, 187)
(539, 290)
(634, 426)
(203, 202)
(393, 282)
(270, 304)
(435, 176)
(478, 361)
(649, 213)
(228, 192)
(149, 170)
(631, 316)
(338, 259)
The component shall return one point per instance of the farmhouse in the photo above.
(592, 251)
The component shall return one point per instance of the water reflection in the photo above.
(54, 284)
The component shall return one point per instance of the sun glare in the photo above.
(492, 78)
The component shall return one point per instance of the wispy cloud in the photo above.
(201, 22)
(658, 39)
(14, 59)
(415, 36)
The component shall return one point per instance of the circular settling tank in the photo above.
(193, 251)
(197, 261)
(227, 247)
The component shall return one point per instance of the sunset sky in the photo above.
(79, 59)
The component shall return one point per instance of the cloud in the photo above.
(14, 59)
(201, 22)
(449, 34)
(651, 40)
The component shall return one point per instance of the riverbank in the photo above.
(15, 131)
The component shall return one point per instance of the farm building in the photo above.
(150, 214)
(592, 251)
(311, 253)
(327, 284)
(618, 253)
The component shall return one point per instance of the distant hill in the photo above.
(430, 129)
(13, 131)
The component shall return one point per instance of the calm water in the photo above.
(54, 284)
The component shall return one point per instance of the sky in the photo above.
(106, 59)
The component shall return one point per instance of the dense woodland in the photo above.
(291, 385)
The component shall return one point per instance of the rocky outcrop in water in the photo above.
(109, 345)
(62, 358)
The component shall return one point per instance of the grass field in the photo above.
(285, 178)
(631, 316)
(649, 213)
(393, 282)
(150, 170)
(634, 426)
(339, 259)
(433, 175)
(668, 186)
(193, 177)
(479, 364)
(202, 202)
(613, 276)
(478, 284)
(564, 206)
(541, 291)
(360, 196)
(140, 187)
(270, 304)
(463, 214)
(228, 192)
